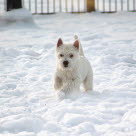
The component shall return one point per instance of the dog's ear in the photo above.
(60, 42)
(76, 44)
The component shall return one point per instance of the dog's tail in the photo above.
(80, 46)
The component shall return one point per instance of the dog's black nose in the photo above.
(65, 63)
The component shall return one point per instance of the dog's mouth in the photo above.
(65, 66)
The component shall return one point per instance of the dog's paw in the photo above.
(60, 95)
(88, 92)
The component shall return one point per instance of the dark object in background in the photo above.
(90, 5)
(14, 4)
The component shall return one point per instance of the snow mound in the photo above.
(16, 15)
(28, 106)
(22, 123)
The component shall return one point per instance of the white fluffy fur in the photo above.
(68, 79)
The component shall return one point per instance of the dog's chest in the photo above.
(69, 76)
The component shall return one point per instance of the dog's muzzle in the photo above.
(65, 63)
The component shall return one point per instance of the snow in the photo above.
(28, 106)
(18, 15)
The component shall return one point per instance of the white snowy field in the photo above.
(28, 106)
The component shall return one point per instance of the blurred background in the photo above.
(53, 6)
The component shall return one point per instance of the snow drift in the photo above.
(27, 63)
(16, 16)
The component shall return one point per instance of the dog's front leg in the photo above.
(57, 83)
(57, 86)
(71, 86)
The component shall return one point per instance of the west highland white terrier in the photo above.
(72, 69)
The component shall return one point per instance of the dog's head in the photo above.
(67, 55)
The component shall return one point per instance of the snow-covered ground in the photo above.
(28, 106)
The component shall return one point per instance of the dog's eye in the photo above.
(61, 55)
(71, 55)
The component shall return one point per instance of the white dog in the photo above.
(72, 69)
